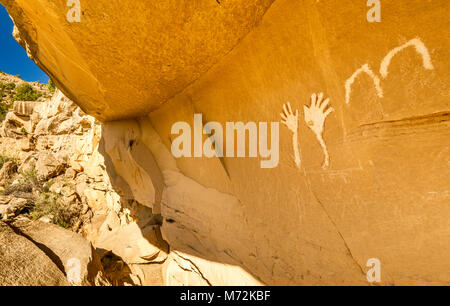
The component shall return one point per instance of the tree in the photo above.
(25, 92)
(51, 86)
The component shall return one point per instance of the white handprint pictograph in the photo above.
(291, 121)
(315, 116)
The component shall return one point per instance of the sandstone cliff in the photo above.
(369, 178)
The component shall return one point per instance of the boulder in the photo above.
(147, 275)
(7, 171)
(71, 174)
(65, 127)
(22, 263)
(27, 147)
(46, 126)
(28, 163)
(73, 253)
(133, 244)
(48, 166)
(15, 126)
(14, 207)
(5, 199)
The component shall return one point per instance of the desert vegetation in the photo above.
(25, 92)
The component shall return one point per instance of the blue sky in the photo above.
(13, 58)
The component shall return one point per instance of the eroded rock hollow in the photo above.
(362, 175)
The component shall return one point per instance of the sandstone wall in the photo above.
(385, 192)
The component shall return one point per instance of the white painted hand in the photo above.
(289, 119)
(316, 114)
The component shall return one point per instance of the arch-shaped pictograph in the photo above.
(364, 69)
(418, 45)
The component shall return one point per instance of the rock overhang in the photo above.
(124, 59)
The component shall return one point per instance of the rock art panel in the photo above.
(386, 194)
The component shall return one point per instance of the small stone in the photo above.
(46, 219)
(48, 166)
(76, 166)
(71, 173)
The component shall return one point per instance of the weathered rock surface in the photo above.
(133, 244)
(24, 108)
(15, 126)
(48, 166)
(385, 192)
(73, 253)
(64, 168)
(6, 172)
(13, 208)
(22, 263)
(184, 41)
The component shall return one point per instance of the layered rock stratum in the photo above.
(369, 178)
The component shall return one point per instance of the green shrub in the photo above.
(27, 183)
(50, 204)
(51, 87)
(30, 177)
(48, 185)
(25, 92)
(4, 109)
(46, 203)
(10, 86)
(20, 188)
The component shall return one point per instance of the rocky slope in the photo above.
(53, 172)
(366, 178)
